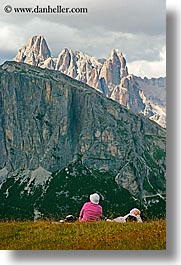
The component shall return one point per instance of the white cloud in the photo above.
(10, 40)
(129, 16)
(149, 69)
(163, 53)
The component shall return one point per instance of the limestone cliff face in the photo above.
(47, 119)
(110, 76)
(127, 93)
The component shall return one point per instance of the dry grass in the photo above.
(45, 235)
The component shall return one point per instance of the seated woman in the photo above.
(91, 211)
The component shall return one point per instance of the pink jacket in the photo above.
(90, 212)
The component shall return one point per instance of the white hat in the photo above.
(94, 198)
(136, 213)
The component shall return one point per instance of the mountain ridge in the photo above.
(56, 130)
(110, 76)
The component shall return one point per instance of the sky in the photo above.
(136, 27)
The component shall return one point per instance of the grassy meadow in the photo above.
(47, 235)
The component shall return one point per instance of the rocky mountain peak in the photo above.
(110, 76)
(35, 52)
(117, 56)
(114, 69)
(115, 53)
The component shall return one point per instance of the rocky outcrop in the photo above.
(49, 120)
(127, 93)
(110, 76)
(35, 52)
(79, 66)
(114, 69)
(153, 94)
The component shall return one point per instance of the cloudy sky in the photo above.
(136, 27)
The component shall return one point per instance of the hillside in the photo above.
(61, 139)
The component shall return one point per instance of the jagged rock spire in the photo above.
(34, 52)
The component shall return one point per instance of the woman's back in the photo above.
(91, 211)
